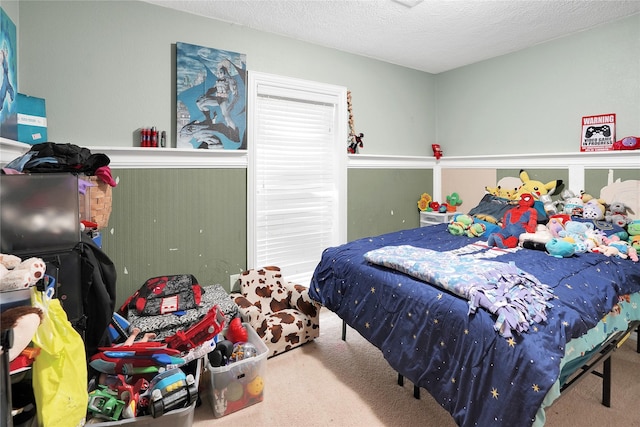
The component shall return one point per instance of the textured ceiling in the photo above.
(432, 36)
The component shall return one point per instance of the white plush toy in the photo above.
(17, 274)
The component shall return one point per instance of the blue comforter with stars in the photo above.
(428, 334)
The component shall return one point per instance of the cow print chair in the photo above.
(279, 311)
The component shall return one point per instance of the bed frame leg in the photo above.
(344, 330)
(416, 389)
(606, 383)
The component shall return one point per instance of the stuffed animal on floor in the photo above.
(520, 219)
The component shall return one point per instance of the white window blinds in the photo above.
(297, 179)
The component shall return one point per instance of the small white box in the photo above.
(433, 218)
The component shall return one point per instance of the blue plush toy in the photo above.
(560, 248)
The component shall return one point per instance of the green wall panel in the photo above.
(173, 221)
(595, 179)
(385, 200)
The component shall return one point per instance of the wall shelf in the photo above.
(149, 158)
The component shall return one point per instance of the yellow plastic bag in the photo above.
(60, 370)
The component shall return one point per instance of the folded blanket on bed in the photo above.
(515, 296)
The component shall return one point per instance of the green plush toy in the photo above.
(460, 224)
(476, 230)
(633, 230)
(454, 199)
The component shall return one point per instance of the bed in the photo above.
(481, 375)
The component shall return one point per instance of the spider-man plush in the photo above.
(520, 219)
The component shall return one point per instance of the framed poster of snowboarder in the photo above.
(211, 98)
(598, 132)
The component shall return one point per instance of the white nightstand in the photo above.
(434, 218)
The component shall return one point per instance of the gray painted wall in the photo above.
(107, 68)
(533, 101)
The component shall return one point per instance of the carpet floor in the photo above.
(333, 382)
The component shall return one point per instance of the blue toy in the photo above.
(560, 248)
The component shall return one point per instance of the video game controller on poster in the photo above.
(604, 130)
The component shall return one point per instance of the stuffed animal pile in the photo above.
(575, 223)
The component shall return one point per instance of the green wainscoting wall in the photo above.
(385, 200)
(172, 221)
(595, 179)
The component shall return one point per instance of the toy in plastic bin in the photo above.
(207, 328)
(104, 404)
(170, 390)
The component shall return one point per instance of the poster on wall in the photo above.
(9, 82)
(598, 132)
(211, 98)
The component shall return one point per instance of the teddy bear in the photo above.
(617, 214)
(18, 274)
(520, 219)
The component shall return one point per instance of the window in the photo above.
(296, 173)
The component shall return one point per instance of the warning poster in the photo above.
(598, 132)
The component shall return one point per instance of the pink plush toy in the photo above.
(555, 226)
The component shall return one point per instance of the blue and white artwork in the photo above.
(9, 78)
(211, 98)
